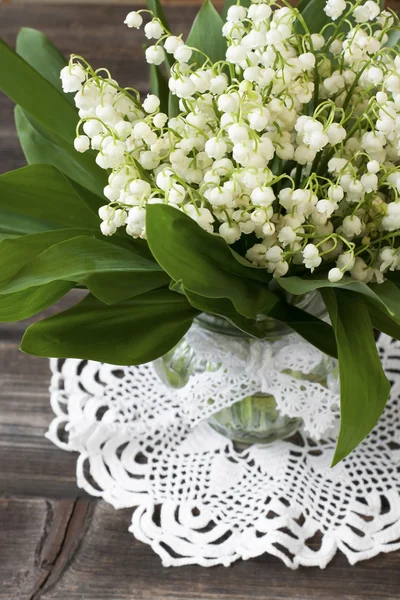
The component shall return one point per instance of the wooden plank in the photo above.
(84, 551)
(29, 463)
(39, 538)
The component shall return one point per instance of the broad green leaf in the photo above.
(7, 236)
(159, 87)
(393, 40)
(383, 294)
(388, 295)
(110, 272)
(204, 263)
(223, 307)
(16, 253)
(130, 333)
(317, 332)
(18, 224)
(312, 12)
(43, 193)
(25, 304)
(382, 322)
(229, 3)
(206, 35)
(42, 55)
(43, 146)
(364, 388)
(35, 94)
(316, 18)
(311, 328)
(303, 5)
(173, 105)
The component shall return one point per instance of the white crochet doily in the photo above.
(198, 500)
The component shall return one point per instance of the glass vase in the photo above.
(215, 348)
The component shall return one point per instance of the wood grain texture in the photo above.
(55, 543)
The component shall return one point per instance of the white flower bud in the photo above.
(287, 235)
(230, 232)
(262, 196)
(268, 229)
(318, 41)
(360, 271)
(373, 166)
(351, 225)
(335, 275)
(345, 262)
(215, 148)
(119, 217)
(307, 60)
(172, 43)
(155, 55)
(183, 53)
(112, 194)
(81, 143)
(281, 268)
(108, 227)
(369, 182)
(258, 118)
(236, 13)
(310, 252)
(72, 78)
(106, 212)
(274, 254)
(151, 103)
(228, 103)
(218, 84)
(153, 30)
(133, 19)
(184, 87)
(336, 133)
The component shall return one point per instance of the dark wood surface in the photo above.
(55, 543)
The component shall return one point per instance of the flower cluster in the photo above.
(288, 148)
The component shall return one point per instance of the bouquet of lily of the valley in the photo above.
(263, 165)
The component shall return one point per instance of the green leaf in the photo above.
(206, 35)
(229, 3)
(38, 51)
(388, 295)
(382, 294)
(110, 272)
(36, 95)
(364, 388)
(315, 331)
(393, 40)
(17, 224)
(309, 327)
(382, 322)
(134, 332)
(224, 308)
(7, 236)
(16, 253)
(25, 304)
(314, 16)
(204, 262)
(173, 105)
(42, 146)
(159, 87)
(42, 193)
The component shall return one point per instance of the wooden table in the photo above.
(56, 543)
